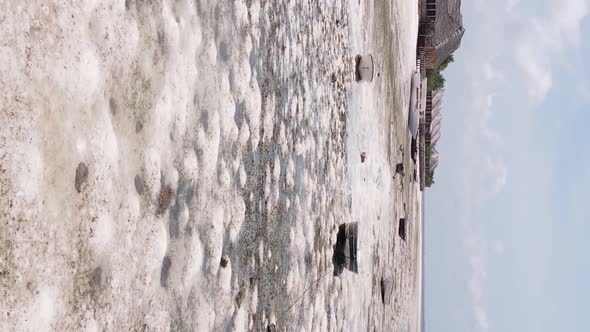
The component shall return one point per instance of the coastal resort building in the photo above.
(439, 36)
(432, 129)
(440, 32)
(430, 132)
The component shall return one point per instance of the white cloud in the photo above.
(485, 171)
(481, 318)
(510, 4)
(498, 174)
(490, 100)
(501, 50)
(506, 50)
(537, 69)
(545, 38)
(476, 250)
(568, 18)
(499, 247)
(583, 88)
(491, 73)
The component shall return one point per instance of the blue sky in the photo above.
(507, 223)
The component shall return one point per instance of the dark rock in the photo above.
(165, 272)
(31, 286)
(399, 168)
(363, 157)
(164, 199)
(414, 149)
(97, 277)
(139, 186)
(81, 176)
(345, 249)
(239, 298)
(113, 106)
(402, 228)
(223, 262)
(386, 290)
(357, 74)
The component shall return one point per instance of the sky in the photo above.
(506, 222)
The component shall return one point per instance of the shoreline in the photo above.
(378, 116)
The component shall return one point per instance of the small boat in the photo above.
(415, 97)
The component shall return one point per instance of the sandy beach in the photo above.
(185, 165)
(378, 121)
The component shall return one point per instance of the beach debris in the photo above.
(364, 68)
(139, 185)
(414, 149)
(239, 298)
(81, 176)
(345, 249)
(401, 231)
(223, 262)
(399, 169)
(96, 277)
(113, 106)
(165, 271)
(363, 157)
(386, 290)
(415, 98)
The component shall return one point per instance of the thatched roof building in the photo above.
(441, 30)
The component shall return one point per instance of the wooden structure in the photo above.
(430, 132)
(440, 32)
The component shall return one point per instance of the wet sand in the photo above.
(387, 32)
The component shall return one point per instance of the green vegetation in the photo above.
(435, 78)
(430, 176)
(429, 179)
(446, 63)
